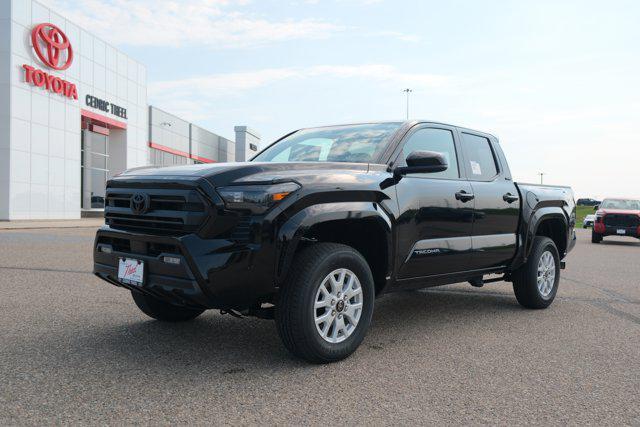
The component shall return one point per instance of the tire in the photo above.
(161, 310)
(585, 226)
(525, 280)
(595, 237)
(296, 311)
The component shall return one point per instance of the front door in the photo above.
(95, 169)
(434, 226)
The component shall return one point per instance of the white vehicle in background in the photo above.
(588, 220)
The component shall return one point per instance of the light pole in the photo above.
(541, 177)
(407, 91)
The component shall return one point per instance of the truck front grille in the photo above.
(621, 220)
(166, 211)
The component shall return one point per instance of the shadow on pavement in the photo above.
(620, 243)
(223, 345)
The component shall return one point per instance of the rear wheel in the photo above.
(160, 310)
(595, 237)
(324, 309)
(536, 283)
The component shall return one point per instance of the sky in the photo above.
(558, 82)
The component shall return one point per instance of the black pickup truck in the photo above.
(325, 220)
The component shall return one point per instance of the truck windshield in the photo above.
(351, 144)
(625, 204)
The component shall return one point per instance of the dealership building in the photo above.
(74, 112)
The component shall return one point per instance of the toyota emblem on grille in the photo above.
(140, 203)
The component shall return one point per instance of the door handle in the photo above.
(510, 198)
(463, 196)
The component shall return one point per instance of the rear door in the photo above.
(434, 227)
(497, 205)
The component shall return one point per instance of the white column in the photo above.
(247, 143)
(5, 134)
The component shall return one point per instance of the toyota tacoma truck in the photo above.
(616, 217)
(323, 221)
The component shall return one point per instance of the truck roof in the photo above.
(406, 124)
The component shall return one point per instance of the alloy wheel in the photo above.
(546, 274)
(338, 305)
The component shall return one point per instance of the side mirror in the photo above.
(423, 162)
(596, 207)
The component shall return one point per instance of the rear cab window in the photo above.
(481, 162)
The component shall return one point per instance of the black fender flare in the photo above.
(297, 227)
(530, 227)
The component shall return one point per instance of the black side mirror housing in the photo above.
(423, 162)
(596, 207)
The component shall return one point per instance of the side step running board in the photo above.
(480, 282)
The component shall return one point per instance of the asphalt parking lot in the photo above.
(76, 350)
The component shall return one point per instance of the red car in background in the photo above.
(617, 217)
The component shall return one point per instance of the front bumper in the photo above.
(610, 230)
(212, 273)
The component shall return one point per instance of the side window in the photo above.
(481, 162)
(438, 140)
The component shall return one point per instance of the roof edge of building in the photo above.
(248, 130)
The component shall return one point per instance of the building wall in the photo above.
(41, 131)
(5, 48)
(171, 138)
(204, 144)
(45, 128)
(247, 143)
(227, 150)
(168, 131)
(164, 158)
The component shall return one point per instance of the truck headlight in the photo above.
(256, 198)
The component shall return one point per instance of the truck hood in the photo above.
(618, 212)
(219, 174)
(181, 171)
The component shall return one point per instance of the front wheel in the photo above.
(595, 237)
(324, 309)
(160, 310)
(536, 283)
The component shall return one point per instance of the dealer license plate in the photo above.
(621, 231)
(131, 271)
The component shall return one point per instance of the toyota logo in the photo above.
(140, 203)
(50, 43)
